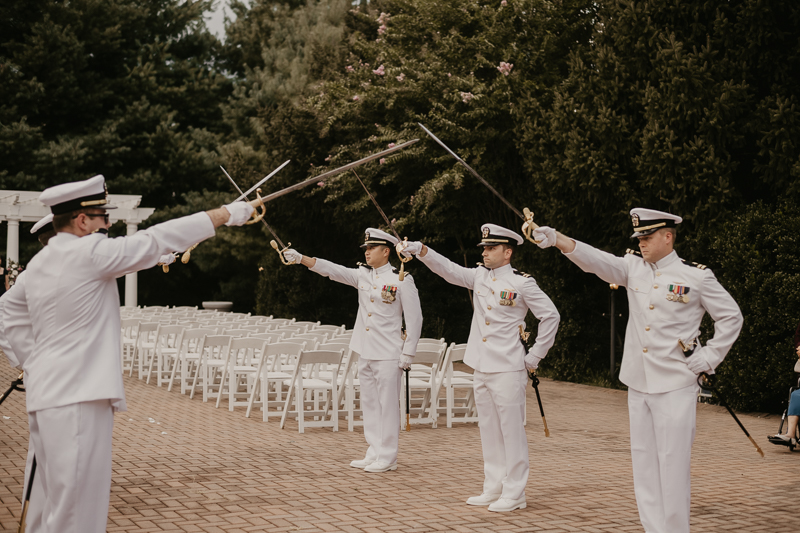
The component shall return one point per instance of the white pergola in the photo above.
(24, 206)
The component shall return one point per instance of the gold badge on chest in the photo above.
(389, 293)
(507, 297)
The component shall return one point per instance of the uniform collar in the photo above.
(65, 236)
(383, 269)
(666, 261)
(505, 269)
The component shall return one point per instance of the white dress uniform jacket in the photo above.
(493, 344)
(16, 330)
(382, 301)
(652, 360)
(73, 301)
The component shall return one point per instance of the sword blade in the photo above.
(472, 171)
(257, 185)
(374, 201)
(245, 196)
(329, 174)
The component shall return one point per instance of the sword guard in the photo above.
(258, 202)
(534, 378)
(280, 252)
(529, 225)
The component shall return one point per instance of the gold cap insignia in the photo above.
(635, 220)
(366, 236)
(485, 232)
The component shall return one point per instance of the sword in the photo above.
(535, 385)
(272, 243)
(528, 225)
(27, 497)
(15, 385)
(329, 174)
(408, 402)
(403, 259)
(257, 185)
(707, 382)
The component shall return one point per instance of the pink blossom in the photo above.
(401, 77)
(505, 68)
(382, 29)
(382, 160)
(449, 75)
(383, 18)
(328, 158)
(466, 97)
(349, 68)
(379, 71)
(320, 184)
(355, 98)
(391, 145)
(504, 3)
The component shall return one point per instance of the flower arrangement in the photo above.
(14, 270)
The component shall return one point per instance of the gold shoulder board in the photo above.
(633, 252)
(523, 274)
(694, 265)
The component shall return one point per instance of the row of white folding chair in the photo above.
(315, 390)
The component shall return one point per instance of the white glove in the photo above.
(293, 256)
(698, 364)
(532, 362)
(409, 248)
(166, 259)
(545, 235)
(240, 213)
(405, 361)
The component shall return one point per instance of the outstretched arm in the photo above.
(608, 267)
(451, 272)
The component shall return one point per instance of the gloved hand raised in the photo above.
(292, 256)
(240, 213)
(166, 259)
(409, 248)
(545, 235)
(532, 362)
(405, 361)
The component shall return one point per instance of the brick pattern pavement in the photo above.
(194, 468)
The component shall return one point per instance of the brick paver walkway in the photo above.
(197, 468)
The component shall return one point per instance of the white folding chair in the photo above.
(168, 342)
(214, 354)
(313, 392)
(129, 333)
(271, 374)
(460, 408)
(427, 383)
(187, 361)
(145, 346)
(242, 370)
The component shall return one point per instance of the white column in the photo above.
(12, 242)
(131, 280)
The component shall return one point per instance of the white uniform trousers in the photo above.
(500, 399)
(662, 433)
(380, 405)
(33, 519)
(73, 456)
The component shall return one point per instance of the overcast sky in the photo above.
(214, 19)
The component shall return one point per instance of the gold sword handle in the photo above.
(280, 252)
(403, 260)
(258, 202)
(529, 225)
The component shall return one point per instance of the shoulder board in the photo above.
(633, 252)
(523, 274)
(362, 265)
(482, 265)
(693, 264)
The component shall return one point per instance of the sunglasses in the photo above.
(104, 215)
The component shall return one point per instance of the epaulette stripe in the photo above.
(633, 252)
(523, 274)
(693, 264)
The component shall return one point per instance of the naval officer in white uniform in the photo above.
(383, 301)
(502, 297)
(16, 341)
(667, 298)
(73, 373)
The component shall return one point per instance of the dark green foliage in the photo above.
(757, 254)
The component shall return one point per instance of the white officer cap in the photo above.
(647, 221)
(492, 235)
(43, 226)
(375, 237)
(69, 197)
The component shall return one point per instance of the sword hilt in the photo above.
(529, 225)
(258, 202)
(281, 251)
(185, 256)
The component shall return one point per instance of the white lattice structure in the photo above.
(24, 206)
